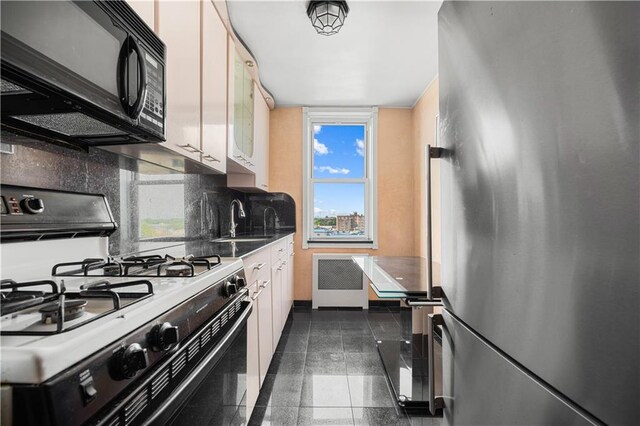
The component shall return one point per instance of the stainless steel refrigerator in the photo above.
(540, 125)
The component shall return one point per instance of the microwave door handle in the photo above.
(122, 70)
(129, 45)
(136, 108)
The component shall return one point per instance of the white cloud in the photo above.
(317, 210)
(320, 148)
(333, 170)
(317, 129)
(360, 147)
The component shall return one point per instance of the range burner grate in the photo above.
(60, 307)
(156, 265)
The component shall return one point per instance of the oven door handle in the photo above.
(204, 363)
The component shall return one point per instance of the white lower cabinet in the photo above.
(265, 314)
(269, 273)
(276, 301)
(253, 354)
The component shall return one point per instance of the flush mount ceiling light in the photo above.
(327, 17)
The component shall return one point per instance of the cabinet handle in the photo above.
(279, 250)
(190, 148)
(250, 163)
(292, 253)
(256, 294)
(264, 185)
(265, 284)
(211, 158)
(259, 266)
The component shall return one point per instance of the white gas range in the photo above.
(91, 339)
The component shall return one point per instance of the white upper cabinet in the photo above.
(240, 142)
(214, 89)
(179, 28)
(259, 162)
(145, 9)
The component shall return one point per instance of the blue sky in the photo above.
(338, 153)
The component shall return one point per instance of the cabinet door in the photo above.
(290, 272)
(179, 28)
(284, 291)
(253, 352)
(276, 302)
(265, 328)
(214, 89)
(261, 140)
(235, 72)
(145, 10)
(247, 117)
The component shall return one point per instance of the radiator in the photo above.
(338, 282)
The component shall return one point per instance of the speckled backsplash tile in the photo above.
(164, 206)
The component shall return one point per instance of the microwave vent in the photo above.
(70, 124)
(9, 88)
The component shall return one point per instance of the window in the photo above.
(340, 178)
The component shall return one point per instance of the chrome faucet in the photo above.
(241, 215)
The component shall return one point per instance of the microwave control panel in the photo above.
(153, 112)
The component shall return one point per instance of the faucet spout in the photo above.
(241, 215)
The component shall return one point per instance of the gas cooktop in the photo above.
(152, 265)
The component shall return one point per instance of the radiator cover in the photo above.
(338, 282)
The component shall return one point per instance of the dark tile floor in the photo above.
(327, 371)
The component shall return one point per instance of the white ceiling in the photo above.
(385, 54)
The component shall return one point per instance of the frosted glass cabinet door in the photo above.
(261, 140)
(179, 28)
(247, 114)
(238, 89)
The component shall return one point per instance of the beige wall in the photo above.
(397, 203)
(424, 133)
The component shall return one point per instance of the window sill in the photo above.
(340, 244)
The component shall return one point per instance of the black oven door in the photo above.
(214, 392)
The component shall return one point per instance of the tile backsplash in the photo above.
(149, 203)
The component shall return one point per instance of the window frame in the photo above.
(340, 116)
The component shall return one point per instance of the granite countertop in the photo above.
(396, 276)
(207, 248)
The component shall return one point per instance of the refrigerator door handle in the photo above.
(432, 292)
(435, 402)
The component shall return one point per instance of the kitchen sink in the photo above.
(241, 239)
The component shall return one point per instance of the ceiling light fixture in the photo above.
(327, 17)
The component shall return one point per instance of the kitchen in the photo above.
(437, 225)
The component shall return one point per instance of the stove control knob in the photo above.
(127, 361)
(33, 205)
(163, 337)
(240, 282)
(230, 288)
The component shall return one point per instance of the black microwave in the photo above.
(81, 72)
